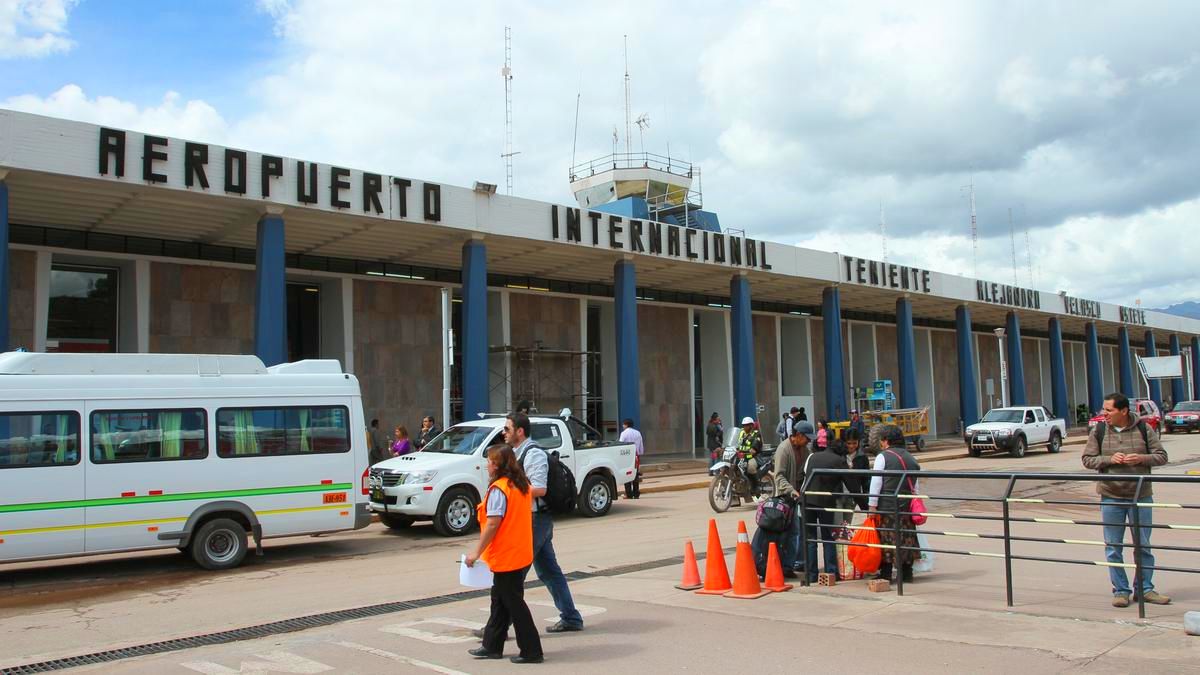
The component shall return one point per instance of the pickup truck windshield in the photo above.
(1004, 416)
(459, 440)
(1192, 406)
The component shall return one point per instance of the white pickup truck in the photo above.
(1015, 429)
(446, 479)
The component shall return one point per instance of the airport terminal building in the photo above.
(452, 301)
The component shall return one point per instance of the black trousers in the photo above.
(508, 607)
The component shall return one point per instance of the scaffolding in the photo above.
(541, 374)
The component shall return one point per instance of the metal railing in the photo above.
(632, 160)
(1006, 518)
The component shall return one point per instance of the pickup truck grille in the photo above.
(389, 478)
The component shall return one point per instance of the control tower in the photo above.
(646, 186)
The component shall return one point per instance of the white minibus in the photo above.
(101, 453)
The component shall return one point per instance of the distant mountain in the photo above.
(1189, 309)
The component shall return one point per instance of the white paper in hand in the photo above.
(479, 576)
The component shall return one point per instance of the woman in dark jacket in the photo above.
(715, 438)
(893, 456)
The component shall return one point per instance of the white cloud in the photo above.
(34, 28)
(172, 116)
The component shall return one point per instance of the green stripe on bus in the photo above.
(180, 497)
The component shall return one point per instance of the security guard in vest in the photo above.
(506, 545)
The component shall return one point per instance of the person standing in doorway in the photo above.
(784, 429)
(714, 435)
(801, 415)
(633, 489)
(428, 431)
(1124, 445)
(506, 545)
(537, 466)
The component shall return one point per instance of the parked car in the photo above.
(446, 479)
(1015, 429)
(1185, 417)
(1146, 410)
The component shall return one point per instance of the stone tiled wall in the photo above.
(21, 279)
(766, 372)
(989, 366)
(398, 352)
(817, 344)
(945, 379)
(1033, 373)
(197, 309)
(885, 352)
(666, 397)
(554, 322)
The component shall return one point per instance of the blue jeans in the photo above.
(821, 525)
(1116, 513)
(545, 564)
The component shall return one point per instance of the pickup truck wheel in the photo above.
(1055, 443)
(395, 522)
(1019, 448)
(596, 497)
(219, 544)
(455, 513)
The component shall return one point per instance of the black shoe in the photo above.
(481, 653)
(907, 575)
(561, 627)
(527, 659)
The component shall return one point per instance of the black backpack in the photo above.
(560, 483)
(1102, 427)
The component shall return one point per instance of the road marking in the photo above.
(1058, 521)
(407, 660)
(406, 630)
(273, 662)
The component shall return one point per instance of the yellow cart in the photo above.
(914, 422)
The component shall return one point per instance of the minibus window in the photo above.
(32, 439)
(148, 435)
(253, 432)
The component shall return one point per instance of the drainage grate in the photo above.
(304, 623)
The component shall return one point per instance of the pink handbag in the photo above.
(917, 507)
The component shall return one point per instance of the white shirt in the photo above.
(631, 435)
(497, 503)
(536, 465)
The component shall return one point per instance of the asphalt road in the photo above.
(56, 609)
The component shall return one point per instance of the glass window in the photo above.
(148, 435)
(83, 309)
(1028, 417)
(1038, 413)
(583, 435)
(461, 439)
(1002, 415)
(251, 432)
(39, 439)
(546, 436)
(303, 322)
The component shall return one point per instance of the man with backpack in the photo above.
(1122, 444)
(536, 463)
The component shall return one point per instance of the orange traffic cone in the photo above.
(716, 574)
(745, 574)
(691, 571)
(774, 581)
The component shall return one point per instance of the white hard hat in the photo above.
(747, 420)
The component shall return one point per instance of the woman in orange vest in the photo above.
(506, 545)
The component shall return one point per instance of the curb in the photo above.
(698, 484)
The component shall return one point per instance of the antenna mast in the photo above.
(1012, 239)
(506, 72)
(883, 230)
(628, 114)
(1028, 248)
(575, 138)
(970, 188)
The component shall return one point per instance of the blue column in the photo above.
(270, 292)
(1016, 361)
(835, 375)
(906, 358)
(968, 391)
(1177, 390)
(1155, 387)
(1095, 376)
(474, 330)
(4, 271)
(1125, 363)
(1058, 375)
(629, 400)
(1195, 368)
(745, 402)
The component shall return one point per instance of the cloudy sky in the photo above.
(805, 117)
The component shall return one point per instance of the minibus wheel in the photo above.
(219, 544)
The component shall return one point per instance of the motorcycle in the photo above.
(730, 480)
